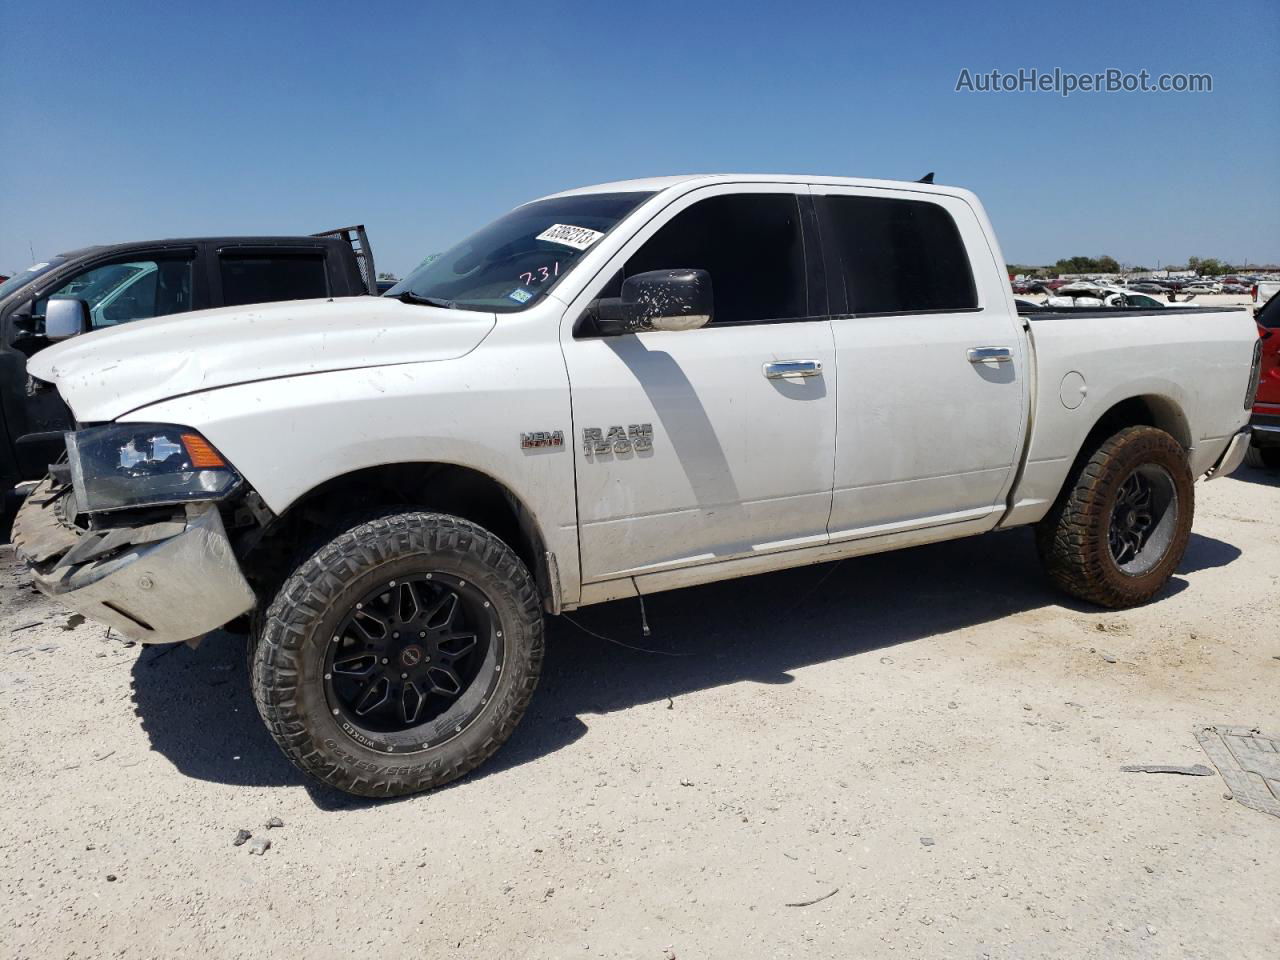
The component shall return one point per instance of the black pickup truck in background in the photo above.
(132, 281)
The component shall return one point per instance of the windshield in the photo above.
(515, 260)
(24, 277)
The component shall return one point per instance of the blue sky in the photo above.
(133, 120)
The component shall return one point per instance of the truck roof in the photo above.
(657, 184)
(188, 241)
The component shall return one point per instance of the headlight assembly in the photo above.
(123, 465)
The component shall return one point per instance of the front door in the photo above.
(704, 445)
(933, 372)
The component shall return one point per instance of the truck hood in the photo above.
(105, 374)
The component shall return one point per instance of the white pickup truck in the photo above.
(606, 393)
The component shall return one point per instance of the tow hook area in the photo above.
(159, 582)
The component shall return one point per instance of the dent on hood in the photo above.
(106, 374)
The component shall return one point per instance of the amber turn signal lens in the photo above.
(202, 455)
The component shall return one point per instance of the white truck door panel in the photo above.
(736, 448)
(933, 391)
(924, 434)
(739, 462)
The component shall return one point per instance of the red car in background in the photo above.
(1265, 448)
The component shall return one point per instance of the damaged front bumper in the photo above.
(153, 582)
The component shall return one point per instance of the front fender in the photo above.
(289, 436)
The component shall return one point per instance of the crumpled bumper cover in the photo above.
(1232, 457)
(154, 583)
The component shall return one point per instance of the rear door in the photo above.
(695, 446)
(933, 373)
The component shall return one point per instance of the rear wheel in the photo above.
(1122, 524)
(400, 655)
(1263, 458)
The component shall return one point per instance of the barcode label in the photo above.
(577, 237)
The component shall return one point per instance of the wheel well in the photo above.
(1150, 410)
(437, 487)
(1145, 411)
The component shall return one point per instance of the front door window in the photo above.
(131, 290)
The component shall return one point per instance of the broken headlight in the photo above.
(126, 465)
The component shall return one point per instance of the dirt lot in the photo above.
(933, 734)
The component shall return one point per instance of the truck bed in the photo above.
(1166, 362)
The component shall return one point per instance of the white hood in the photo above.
(106, 374)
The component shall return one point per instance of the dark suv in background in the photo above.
(133, 281)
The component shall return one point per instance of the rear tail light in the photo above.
(1255, 374)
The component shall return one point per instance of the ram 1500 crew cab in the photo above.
(605, 393)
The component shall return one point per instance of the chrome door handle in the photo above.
(990, 355)
(792, 368)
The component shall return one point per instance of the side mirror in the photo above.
(657, 300)
(65, 317)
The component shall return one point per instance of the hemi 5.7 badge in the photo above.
(541, 438)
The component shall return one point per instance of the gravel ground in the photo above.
(927, 743)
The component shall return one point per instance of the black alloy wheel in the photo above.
(406, 653)
(1143, 519)
(400, 654)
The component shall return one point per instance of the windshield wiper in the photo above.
(410, 297)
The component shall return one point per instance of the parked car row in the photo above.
(1085, 294)
(1167, 286)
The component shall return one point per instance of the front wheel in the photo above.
(400, 655)
(1120, 528)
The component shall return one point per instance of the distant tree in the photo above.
(383, 275)
(1209, 266)
(1103, 264)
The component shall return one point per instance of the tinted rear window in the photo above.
(896, 256)
(261, 278)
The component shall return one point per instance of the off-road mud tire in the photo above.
(1072, 539)
(290, 652)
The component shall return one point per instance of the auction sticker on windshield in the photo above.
(577, 237)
